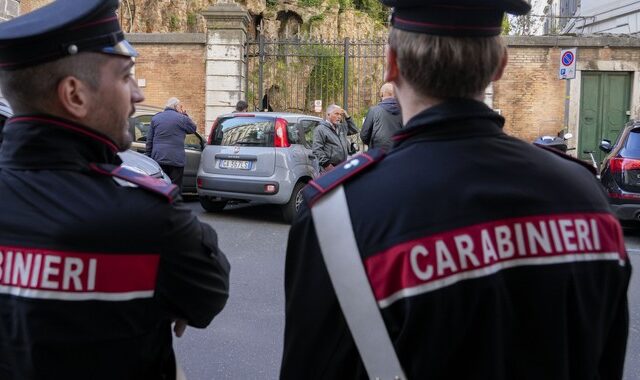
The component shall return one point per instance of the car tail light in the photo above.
(199, 182)
(619, 165)
(281, 139)
(212, 132)
(270, 189)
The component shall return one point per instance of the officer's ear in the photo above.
(501, 67)
(391, 72)
(75, 97)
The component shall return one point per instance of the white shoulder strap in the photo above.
(342, 258)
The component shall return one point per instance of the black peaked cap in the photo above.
(460, 18)
(59, 29)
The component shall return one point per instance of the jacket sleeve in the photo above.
(319, 145)
(367, 128)
(351, 127)
(193, 274)
(187, 125)
(149, 144)
(611, 365)
(317, 341)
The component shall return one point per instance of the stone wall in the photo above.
(172, 65)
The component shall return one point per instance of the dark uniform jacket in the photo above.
(165, 140)
(381, 123)
(489, 259)
(330, 145)
(92, 272)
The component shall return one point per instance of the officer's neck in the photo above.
(413, 103)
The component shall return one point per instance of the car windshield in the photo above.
(632, 146)
(244, 131)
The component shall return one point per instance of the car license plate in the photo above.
(235, 164)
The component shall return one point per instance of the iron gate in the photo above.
(293, 75)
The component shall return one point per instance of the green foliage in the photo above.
(345, 4)
(174, 23)
(506, 26)
(272, 3)
(373, 8)
(309, 3)
(192, 19)
(327, 77)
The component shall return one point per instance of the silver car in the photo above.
(261, 157)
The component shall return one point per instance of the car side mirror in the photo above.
(605, 146)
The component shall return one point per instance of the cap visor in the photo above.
(121, 48)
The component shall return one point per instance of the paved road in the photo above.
(632, 364)
(245, 340)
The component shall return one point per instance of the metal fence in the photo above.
(299, 75)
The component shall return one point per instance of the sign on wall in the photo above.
(567, 64)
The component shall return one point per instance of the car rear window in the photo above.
(244, 131)
(632, 146)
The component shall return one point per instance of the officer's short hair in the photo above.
(446, 67)
(31, 89)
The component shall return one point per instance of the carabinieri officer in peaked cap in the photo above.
(96, 261)
(482, 256)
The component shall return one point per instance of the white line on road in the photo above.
(635, 251)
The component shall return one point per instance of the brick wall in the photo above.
(29, 5)
(532, 98)
(529, 95)
(172, 65)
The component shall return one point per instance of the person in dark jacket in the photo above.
(165, 140)
(483, 256)
(382, 120)
(330, 144)
(96, 261)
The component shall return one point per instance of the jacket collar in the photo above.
(47, 142)
(459, 117)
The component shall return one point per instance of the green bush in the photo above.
(309, 3)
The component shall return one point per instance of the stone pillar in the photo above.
(227, 24)
(9, 9)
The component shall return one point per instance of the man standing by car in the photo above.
(382, 121)
(165, 141)
(96, 261)
(330, 143)
(465, 253)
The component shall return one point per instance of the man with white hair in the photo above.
(165, 141)
(330, 143)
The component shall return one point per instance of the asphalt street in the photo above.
(245, 340)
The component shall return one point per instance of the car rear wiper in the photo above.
(245, 142)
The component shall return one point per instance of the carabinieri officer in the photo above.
(96, 261)
(483, 256)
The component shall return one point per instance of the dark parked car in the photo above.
(620, 172)
(260, 157)
(193, 144)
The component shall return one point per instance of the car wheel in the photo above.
(212, 206)
(290, 209)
